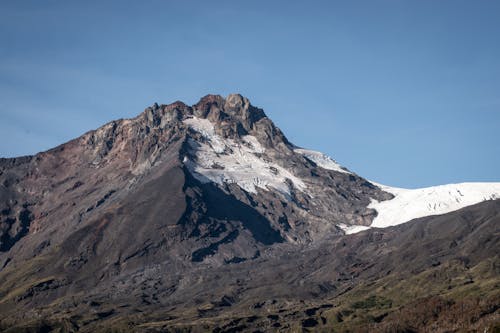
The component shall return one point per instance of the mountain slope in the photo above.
(410, 277)
(198, 213)
(228, 144)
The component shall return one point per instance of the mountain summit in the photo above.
(147, 214)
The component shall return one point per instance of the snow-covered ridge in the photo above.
(222, 160)
(322, 160)
(411, 204)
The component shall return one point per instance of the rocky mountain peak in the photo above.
(233, 116)
(210, 106)
(235, 108)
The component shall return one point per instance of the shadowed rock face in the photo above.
(185, 212)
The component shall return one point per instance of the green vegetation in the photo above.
(372, 302)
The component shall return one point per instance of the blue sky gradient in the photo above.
(406, 93)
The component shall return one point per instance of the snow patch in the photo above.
(352, 229)
(322, 160)
(203, 126)
(411, 204)
(223, 160)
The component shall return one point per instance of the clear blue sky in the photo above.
(406, 93)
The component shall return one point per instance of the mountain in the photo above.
(205, 217)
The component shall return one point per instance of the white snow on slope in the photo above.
(321, 160)
(352, 229)
(410, 204)
(222, 160)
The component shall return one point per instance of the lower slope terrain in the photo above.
(206, 218)
(438, 274)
